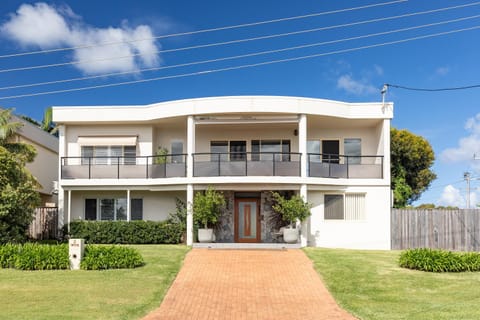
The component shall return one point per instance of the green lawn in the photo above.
(370, 285)
(110, 294)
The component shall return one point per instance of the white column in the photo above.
(129, 207)
(305, 224)
(189, 214)
(69, 208)
(302, 144)
(386, 150)
(190, 145)
(61, 194)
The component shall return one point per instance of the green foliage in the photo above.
(33, 256)
(207, 207)
(124, 232)
(7, 127)
(434, 260)
(179, 217)
(411, 160)
(18, 197)
(292, 209)
(110, 257)
(160, 156)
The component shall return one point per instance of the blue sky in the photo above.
(449, 120)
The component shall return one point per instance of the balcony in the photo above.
(140, 167)
(223, 165)
(246, 164)
(341, 166)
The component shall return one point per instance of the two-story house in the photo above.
(131, 162)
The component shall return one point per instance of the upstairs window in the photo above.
(266, 149)
(105, 155)
(353, 150)
(177, 151)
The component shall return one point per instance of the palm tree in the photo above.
(8, 130)
(7, 127)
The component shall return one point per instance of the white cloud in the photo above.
(360, 87)
(467, 146)
(44, 26)
(442, 71)
(378, 70)
(451, 197)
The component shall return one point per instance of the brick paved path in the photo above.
(248, 284)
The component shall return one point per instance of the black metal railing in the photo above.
(246, 164)
(323, 165)
(222, 164)
(124, 167)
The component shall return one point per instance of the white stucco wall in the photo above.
(371, 233)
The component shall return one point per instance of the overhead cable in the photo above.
(251, 24)
(238, 56)
(241, 66)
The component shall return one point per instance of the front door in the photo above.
(247, 220)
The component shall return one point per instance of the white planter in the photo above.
(290, 235)
(205, 235)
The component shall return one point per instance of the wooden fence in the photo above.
(45, 224)
(444, 229)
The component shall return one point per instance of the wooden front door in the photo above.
(247, 220)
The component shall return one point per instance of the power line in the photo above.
(242, 66)
(238, 26)
(246, 39)
(433, 90)
(239, 56)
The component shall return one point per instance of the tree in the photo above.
(411, 160)
(8, 129)
(18, 197)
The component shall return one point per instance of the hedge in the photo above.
(126, 232)
(436, 260)
(34, 256)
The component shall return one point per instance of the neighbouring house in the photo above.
(45, 165)
(131, 162)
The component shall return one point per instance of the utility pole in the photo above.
(466, 176)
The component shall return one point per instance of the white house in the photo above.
(334, 154)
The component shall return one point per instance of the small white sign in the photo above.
(76, 248)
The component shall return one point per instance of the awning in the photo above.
(108, 141)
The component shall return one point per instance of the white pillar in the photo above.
(305, 224)
(61, 195)
(302, 144)
(189, 214)
(129, 207)
(69, 208)
(386, 150)
(190, 145)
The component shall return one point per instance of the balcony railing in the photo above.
(341, 166)
(140, 167)
(222, 165)
(246, 164)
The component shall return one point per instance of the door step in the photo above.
(247, 246)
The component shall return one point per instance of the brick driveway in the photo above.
(248, 284)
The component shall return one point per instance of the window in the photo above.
(238, 150)
(330, 151)
(177, 151)
(333, 207)
(266, 149)
(313, 148)
(353, 150)
(350, 206)
(219, 150)
(104, 155)
(113, 209)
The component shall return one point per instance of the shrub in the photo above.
(110, 257)
(291, 209)
(207, 207)
(434, 260)
(126, 232)
(34, 256)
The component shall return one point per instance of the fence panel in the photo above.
(45, 224)
(443, 229)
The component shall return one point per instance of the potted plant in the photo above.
(207, 207)
(292, 210)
